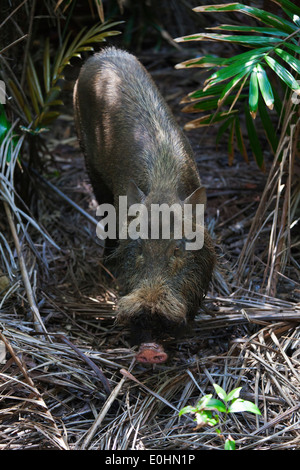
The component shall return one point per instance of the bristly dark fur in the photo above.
(129, 137)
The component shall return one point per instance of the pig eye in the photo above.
(178, 248)
(176, 251)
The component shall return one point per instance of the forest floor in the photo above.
(80, 387)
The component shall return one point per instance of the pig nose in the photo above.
(149, 356)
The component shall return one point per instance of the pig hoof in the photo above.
(151, 355)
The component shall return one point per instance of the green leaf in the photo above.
(187, 409)
(239, 69)
(240, 140)
(253, 139)
(208, 120)
(59, 59)
(253, 54)
(36, 131)
(80, 39)
(230, 87)
(278, 103)
(213, 421)
(46, 118)
(290, 6)
(229, 444)
(4, 124)
(235, 393)
(284, 74)
(253, 93)
(85, 49)
(101, 37)
(291, 60)
(203, 105)
(203, 402)
(46, 63)
(220, 392)
(214, 404)
(223, 128)
(206, 417)
(86, 36)
(34, 81)
(20, 100)
(200, 94)
(55, 103)
(238, 405)
(239, 39)
(231, 144)
(265, 87)
(32, 92)
(293, 47)
(6, 134)
(203, 416)
(268, 126)
(208, 104)
(251, 29)
(261, 15)
(205, 61)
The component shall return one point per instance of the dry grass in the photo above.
(68, 378)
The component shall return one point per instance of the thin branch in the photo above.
(12, 13)
(28, 43)
(38, 322)
(13, 43)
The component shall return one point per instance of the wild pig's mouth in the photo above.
(156, 301)
(154, 315)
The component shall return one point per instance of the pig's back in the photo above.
(126, 130)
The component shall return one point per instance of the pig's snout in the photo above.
(151, 353)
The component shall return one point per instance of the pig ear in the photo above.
(197, 197)
(134, 194)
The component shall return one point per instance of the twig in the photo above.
(131, 377)
(38, 322)
(285, 214)
(103, 412)
(13, 43)
(28, 43)
(66, 198)
(12, 13)
(95, 368)
(40, 401)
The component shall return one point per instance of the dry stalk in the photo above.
(280, 227)
(98, 421)
(284, 236)
(37, 320)
(56, 434)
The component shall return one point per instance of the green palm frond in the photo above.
(41, 105)
(274, 47)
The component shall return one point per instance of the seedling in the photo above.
(206, 408)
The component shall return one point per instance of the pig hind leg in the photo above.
(103, 196)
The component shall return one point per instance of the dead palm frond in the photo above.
(277, 211)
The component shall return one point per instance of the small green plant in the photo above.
(206, 408)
